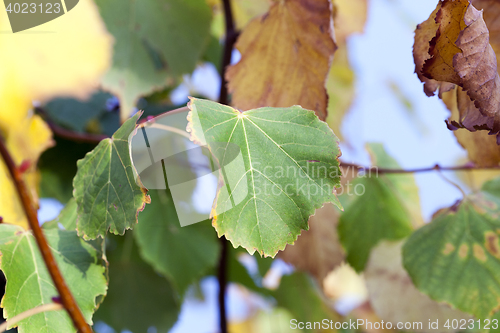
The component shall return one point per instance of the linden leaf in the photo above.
(393, 296)
(160, 232)
(29, 283)
(380, 207)
(105, 189)
(285, 58)
(285, 166)
(138, 297)
(455, 258)
(317, 250)
(298, 294)
(146, 57)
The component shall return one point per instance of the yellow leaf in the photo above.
(66, 56)
(349, 17)
(285, 57)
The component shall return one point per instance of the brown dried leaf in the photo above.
(482, 148)
(477, 67)
(317, 250)
(442, 48)
(460, 53)
(285, 57)
(491, 12)
(423, 35)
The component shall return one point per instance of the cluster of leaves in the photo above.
(378, 230)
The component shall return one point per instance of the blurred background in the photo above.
(382, 101)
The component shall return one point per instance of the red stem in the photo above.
(67, 299)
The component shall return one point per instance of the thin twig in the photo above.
(66, 297)
(229, 42)
(222, 278)
(28, 313)
(437, 167)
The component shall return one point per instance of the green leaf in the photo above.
(77, 115)
(138, 297)
(238, 273)
(298, 294)
(58, 168)
(155, 40)
(105, 189)
(66, 218)
(376, 209)
(455, 258)
(286, 167)
(29, 283)
(182, 254)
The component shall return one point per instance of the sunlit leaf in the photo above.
(286, 167)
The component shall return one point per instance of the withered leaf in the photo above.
(285, 57)
(460, 53)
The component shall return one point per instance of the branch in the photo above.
(437, 167)
(66, 297)
(28, 313)
(231, 36)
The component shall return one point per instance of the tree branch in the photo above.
(437, 167)
(230, 40)
(66, 297)
(28, 313)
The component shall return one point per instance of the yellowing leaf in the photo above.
(243, 12)
(349, 18)
(65, 56)
(285, 58)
